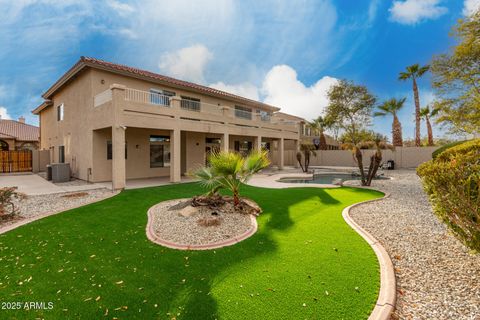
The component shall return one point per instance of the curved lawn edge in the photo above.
(26, 221)
(385, 304)
(172, 245)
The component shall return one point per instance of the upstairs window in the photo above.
(264, 115)
(190, 104)
(243, 112)
(161, 97)
(60, 112)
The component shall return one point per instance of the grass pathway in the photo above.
(304, 262)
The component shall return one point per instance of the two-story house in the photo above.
(112, 122)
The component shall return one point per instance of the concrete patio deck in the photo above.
(33, 184)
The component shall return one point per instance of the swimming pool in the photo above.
(325, 178)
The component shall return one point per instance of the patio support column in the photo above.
(281, 153)
(258, 143)
(175, 152)
(296, 149)
(118, 137)
(225, 142)
(118, 157)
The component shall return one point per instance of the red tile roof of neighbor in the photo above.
(11, 129)
(123, 69)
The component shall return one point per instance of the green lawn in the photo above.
(304, 262)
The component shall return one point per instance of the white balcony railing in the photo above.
(190, 105)
(147, 97)
(243, 114)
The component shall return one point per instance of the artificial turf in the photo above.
(95, 262)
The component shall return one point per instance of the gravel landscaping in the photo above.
(43, 204)
(178, 222)
(437, 276)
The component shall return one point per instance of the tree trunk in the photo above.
(375, 161)
(397, 139)
(236, 198)
(429, 130)
(358, 156)
(299, 159)
(307, 160)
(323, 141)
(417, 113)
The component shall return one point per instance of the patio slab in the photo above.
(33, 184)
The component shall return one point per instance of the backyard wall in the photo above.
(40, 159)
(404, 157)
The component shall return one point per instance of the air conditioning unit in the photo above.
(60, 172)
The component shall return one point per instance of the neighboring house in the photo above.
(112, 122)
(307, 136)
(17, 135)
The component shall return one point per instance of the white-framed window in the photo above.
(60, 112)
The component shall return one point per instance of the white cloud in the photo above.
(187, 63)
(4, 113)
(414, 11)
(283, 89)
(470, 7)
(246, 89)
(121, 8)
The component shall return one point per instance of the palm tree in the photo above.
(414, 72)
(229, 170)
(306, 150)
(392, 106)
(318, 126)
(427, 114)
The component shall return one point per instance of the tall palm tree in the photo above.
(318, 126)
(392, 106)
(414, 72)
(427, 114)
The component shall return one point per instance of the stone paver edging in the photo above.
(172, 245)
(385, 304)
(23, 222)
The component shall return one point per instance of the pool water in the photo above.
(325, 178)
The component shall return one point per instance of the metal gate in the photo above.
(15, 161)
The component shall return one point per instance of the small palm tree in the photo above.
(318, 126)
(229, 170)
(306, 150)
(375, 160)
(414, 72)
(392, 107)
(427, 114)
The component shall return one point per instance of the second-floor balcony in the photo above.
(188, 108)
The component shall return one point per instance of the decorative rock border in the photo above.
(387, 296)
(172, 245)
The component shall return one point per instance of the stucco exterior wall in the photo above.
(73, 132)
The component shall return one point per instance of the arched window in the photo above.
(3, 145)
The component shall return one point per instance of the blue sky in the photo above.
(282, 52)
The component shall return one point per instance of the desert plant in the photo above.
(452, 181)
(414, 72)
(437, 152)
(427, 115)
(306, 150)
(318, 125)
(375, 160)
(392, 106)
(7, 197)
(229, 170)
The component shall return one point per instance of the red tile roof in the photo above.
(119, 68)
(19, 131)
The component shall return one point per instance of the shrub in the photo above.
(446, 147)
(452, 181)
(7, 197)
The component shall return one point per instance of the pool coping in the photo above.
(386, 300)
